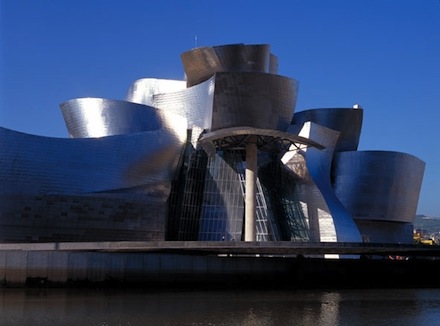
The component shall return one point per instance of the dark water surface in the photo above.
(242, 307)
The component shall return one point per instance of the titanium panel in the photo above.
(202, 63)
(378, 185)
(98, 117)
(42, 165)
(142, 90)
(386, 232)
(257, 100)
(334, 222)
(273, 65)
(81, 217)
(194, 104)
(347, 121)
(82, 190)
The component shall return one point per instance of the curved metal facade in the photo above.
(170, 162)
(202, 63)
(348, 122)
(330, 220)
(379, 186)
(80, 189)
(143, 90)
(251, 99)
(194, 103)
(98, 117)
(41, 165)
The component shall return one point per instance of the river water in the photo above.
(81, 307)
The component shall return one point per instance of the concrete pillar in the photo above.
(251, 177)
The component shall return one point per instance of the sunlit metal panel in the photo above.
(98, 117)
(194, 103)
(379, 185)
(35, 164)
(142, 90)
(347, 121)
(312, 167)
(54, 189)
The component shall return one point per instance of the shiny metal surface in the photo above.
(202, 63)
(378, 185)
(138, 169)
(252, 99)
(347, 121)
(98, 117)
(329, 221)
(194, 104)
(42, 165)
(109, 188)
(143, 90)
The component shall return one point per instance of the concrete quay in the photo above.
(218, 264)
(233, 247)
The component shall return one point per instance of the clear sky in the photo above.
(381, 54)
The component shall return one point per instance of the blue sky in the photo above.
(382, 54)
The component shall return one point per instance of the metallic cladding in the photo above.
(348, 122)
(142, 90)
(386, 232)
(81, 217)
(98, 117)
(378, 185)
(43, 165)
(257, 100)
(312, 166)
(194, 103)
(89, 189)
(137, 169)
(202, 63)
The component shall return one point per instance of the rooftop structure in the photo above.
(220, 156)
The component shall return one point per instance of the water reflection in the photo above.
(245, 308)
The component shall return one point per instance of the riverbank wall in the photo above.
(218, 265)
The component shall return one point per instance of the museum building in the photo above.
(219, 156)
